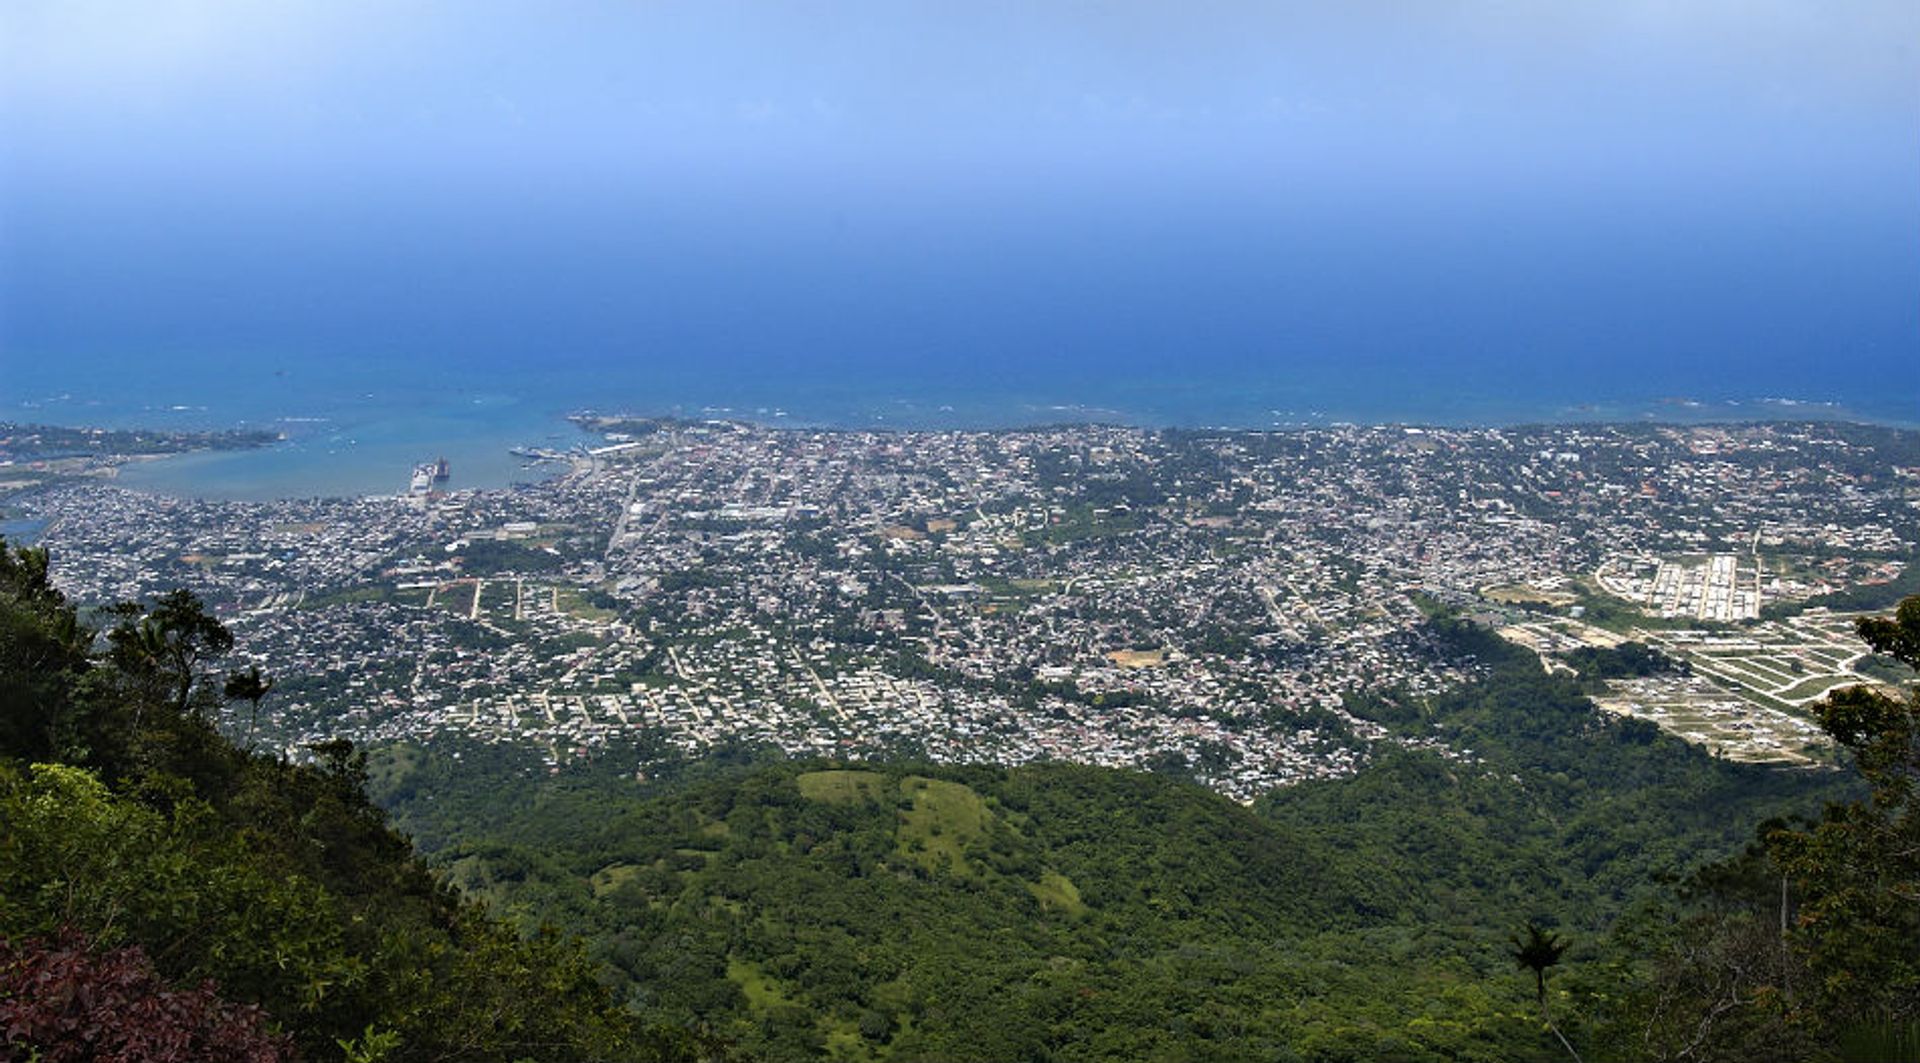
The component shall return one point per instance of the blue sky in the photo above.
(1023, 184)
(976, 95)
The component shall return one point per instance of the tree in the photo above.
(1898, 637)
(166, 647)
(249, 686)
(1857, 871)
(1537, 952)
(1810, 942)
(43, 651)
(159, 860)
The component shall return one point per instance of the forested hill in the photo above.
(167, 896)
(866, 911)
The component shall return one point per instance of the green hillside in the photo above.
(1073, 913)
(165, 895)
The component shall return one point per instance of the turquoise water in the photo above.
(368, 451)
(359, 430)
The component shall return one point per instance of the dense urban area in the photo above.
(1232, 605)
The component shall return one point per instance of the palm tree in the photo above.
(1540, 950)
(249, 686)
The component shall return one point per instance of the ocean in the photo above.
(376, 339)
(358, 429)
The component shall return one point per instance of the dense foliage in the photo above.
(129, 823)
(866, 911)
(1627, 660)
(74, 1004)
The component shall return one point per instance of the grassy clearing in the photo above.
(1428, 605)
(1516, 593)
(611, 877)
(572, 603)
(763, 993)
(842, 787)
(1013, 594)
(1620, 616)
(474, 877)
(1056, 892)
(1765, 674)
(944, 818)
(377, 592)
(497, 597)
(390, 766)
(1081, 522)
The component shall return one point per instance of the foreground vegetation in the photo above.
(167, 895)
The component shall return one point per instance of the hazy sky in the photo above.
(971, 96)
(852, 178)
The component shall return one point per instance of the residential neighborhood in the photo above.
(1212, 602)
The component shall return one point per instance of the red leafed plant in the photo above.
(62, 1002)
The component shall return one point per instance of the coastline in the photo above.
(370, 450)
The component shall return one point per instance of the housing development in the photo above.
(1223, 603)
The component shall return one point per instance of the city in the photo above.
(1215, 602)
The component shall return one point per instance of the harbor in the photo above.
(429, 477)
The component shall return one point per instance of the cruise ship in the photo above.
(429, 476)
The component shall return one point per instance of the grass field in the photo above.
(574, 604)
(1138, 658)
(943, 820)
(1817, 687)
(497, 598)
(378, 592)
(842, 787)
(1781, 664)
(1516, 593)
(1012, 595)
(1082, 522)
